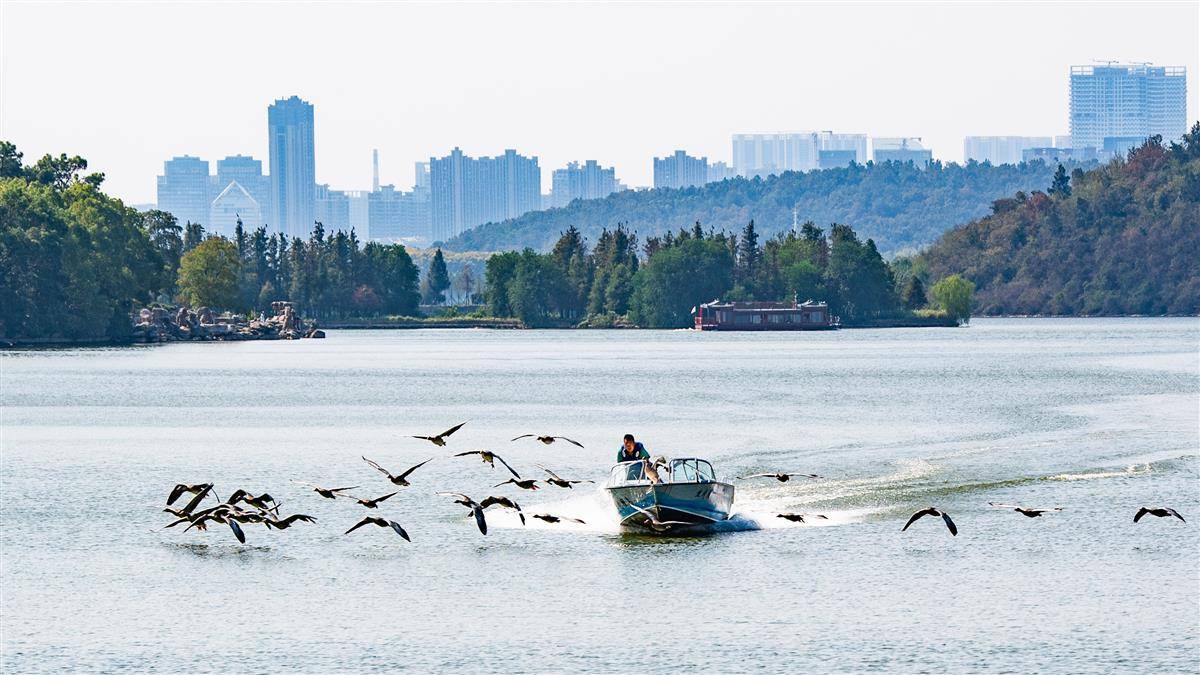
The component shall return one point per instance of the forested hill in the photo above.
(1123, 238)
(898, 205)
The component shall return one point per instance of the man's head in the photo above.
(628, 442)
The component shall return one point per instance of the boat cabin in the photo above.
(808, 315)
(683, 470)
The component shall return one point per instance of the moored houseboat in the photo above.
(808, 315)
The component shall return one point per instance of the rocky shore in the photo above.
(161, 325)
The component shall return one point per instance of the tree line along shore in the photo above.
(1122, 238)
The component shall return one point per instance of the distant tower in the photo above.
(293, 166)
(795, 220)
(375, 170)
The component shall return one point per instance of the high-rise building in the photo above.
(772, 154)
(331, 208)
(836, 148)
(183, 189)
(466, 192)
(1001, 149)
(719, 171)
(680, 170)
(836, 159)
(293, 165)
(247, 172)
(360, 214)
(233, 203)
(900, 150)
(1127, 101)
(589, 181)
(422, 175)
(398, 216)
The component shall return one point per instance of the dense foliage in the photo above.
(1123, 238)
(72, 259)
(614, 284)
(326, 276)
(74, 262)
(901, 207)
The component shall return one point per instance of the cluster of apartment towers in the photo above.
(1113, 107)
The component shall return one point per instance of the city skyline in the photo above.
(619, 106)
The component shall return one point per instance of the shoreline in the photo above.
(514, 324)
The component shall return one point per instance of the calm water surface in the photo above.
(1096, 416)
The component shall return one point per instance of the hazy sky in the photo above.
(128, 85)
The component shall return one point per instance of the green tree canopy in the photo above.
(437, 280)
(677, 279)
(954, 296)
(209, 275)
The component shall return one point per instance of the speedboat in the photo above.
(662, 494)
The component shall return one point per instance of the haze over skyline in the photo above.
(618, 83)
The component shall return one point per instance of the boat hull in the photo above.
(690, 503)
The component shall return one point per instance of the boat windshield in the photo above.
(687, 470)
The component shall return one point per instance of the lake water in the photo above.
(1097, 416)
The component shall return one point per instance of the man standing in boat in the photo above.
(631, 450)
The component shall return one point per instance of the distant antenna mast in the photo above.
(795, 220)
(375, 170)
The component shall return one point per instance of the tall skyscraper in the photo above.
(589, 181)
(232, 203)
(466, 192)
(1001, 149)
(246, 172)
(900, 150)
(183, 189)
(680, 170)
(293, 165)
(1117, 105)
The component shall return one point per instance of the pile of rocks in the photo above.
(162, 325)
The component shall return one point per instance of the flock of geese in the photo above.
(243, 507)
(1029, 512)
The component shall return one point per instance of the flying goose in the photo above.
(372, 503)
(555, 479)
(285, 523)
(931, 511)
(381, 522)
(490, 458)
(440, 439)
(654, 523)
(219, 515)
(327, 493)
(1028, 512)
(781, 477)
(526, 484)
(505, 502)
(555, 519)
(259, 502)
(547, 440)
(799, 517)
(181, 488)
(1161, 512)
(476, 509)
(200, 490)
(402, 479)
